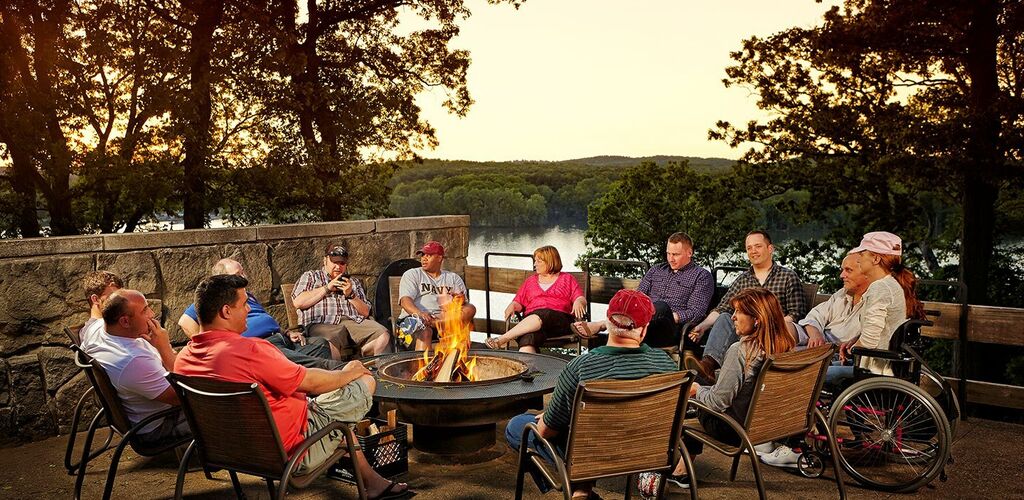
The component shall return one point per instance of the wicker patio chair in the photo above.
(618, 427)
(783, 405)
(113, 411)
(234, 430)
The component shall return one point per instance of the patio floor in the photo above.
(987, 465)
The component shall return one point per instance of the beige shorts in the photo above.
(348, 333)
(348, 404)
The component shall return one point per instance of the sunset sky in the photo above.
(563, 79)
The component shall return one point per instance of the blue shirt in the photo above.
(258, 322)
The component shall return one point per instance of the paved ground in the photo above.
(988, 465)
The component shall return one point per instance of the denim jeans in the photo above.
(514, 438)
(722, 336)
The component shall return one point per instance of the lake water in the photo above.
(568, 241)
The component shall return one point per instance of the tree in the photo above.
(890, 102)
(649, 202)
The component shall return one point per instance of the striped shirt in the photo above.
(687, 291)
(334, 307)
(781, 281)
(606, 362)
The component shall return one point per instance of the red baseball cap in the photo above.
(632, 304)
(431, 248)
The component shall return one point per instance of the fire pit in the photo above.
(460, 417)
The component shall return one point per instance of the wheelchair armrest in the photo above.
(877, 353)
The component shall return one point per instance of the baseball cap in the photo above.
(632, 304)
(337, 253)
(880, 242)
(431, 248)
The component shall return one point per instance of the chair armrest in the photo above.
(524, 450)
(877, 353)
(700, 435)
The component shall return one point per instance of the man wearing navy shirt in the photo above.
(309, 352)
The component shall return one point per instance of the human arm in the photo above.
(353, 291)
(319, 381)
(512, 308)
(698, 331)
(697, 302)
(188, 325)
(308, 291)
(545, 431)
(719, 397)
(793, 300)
(875, 309)
(161, 341)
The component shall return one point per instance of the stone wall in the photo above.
(41, 291)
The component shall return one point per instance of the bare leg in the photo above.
(529, 324)
(377, 346)
(423, 339)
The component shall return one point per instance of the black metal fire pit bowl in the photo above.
(461, 419)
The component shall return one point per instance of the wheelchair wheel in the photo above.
(894, 436)
(810, 464)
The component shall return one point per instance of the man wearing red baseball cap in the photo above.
(425, 289)
(625, 357)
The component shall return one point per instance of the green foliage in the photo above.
(650, 202)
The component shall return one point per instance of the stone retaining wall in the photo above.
(41, 291)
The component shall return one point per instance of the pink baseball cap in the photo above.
(431, 248)
(632, 304)
(880, 242)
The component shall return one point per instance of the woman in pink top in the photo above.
(550, 299)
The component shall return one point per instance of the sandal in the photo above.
(582, 330)
(495, 342)
(389, 492)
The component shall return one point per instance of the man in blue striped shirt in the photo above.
(624, 358)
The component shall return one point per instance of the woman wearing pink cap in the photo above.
(888, 301)
(550, 300)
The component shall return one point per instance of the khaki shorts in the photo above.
(348, 404)
(348, 333)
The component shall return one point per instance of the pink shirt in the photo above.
(559, 296)
(229, 356)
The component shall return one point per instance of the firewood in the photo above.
(429, 371)
(445, 373)
(363, 427)
(373, 429)
(392, 418)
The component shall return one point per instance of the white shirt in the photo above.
(424, 289)
(89, 333)
(135, 370)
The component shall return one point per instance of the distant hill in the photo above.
(703, 165)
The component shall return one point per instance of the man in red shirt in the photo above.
(220, 351)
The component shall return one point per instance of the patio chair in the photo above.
(113, 411)
(783, 405)
(235, 430)
(72, 467)
(618, 427)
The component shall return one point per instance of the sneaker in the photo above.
(764, 449)
(682, 481)
(783, 456)
(647, 484)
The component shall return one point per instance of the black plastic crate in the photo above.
(389, 459)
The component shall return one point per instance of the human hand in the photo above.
(347, 287)
(815, 340)
(538, 416)
(357, 367)
(156, 335)
(693, 389)
(335, 285)
(297, 337)
(579, 309)
(844, 350)
(696, 334)
(426, 317)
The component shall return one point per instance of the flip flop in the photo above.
(388, 494)
(581, 329)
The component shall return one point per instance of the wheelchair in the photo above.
(893, 433)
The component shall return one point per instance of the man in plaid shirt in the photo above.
(333, 305)
(763, 272)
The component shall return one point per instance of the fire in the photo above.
(450, 361)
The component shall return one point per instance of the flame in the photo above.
(453, 335)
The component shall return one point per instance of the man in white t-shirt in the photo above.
(136, 354)
(424, 290)
(98, 286)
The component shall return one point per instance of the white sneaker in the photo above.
(764, 448)
(783, 456)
